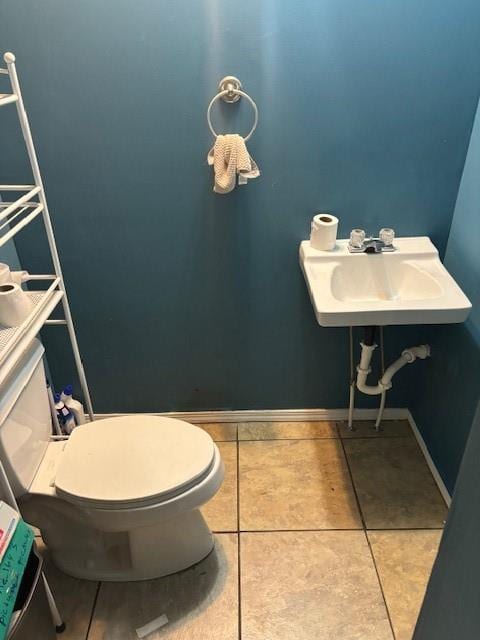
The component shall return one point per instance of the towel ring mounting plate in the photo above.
(231, 84)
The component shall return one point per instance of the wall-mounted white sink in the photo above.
(406, 286)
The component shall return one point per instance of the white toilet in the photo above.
(117, 501)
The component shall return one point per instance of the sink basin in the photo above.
(406, 286)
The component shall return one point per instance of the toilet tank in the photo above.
(25, 421)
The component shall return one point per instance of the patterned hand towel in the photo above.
(229, 157)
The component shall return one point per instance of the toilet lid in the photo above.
(119, 461)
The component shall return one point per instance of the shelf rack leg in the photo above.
(58, 623)
(27, 135)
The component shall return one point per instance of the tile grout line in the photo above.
(337, 428)
(364, 526)
(382, 437)
(239, 531)
(380, 583)
(285, 530)
(94, 605)
(366, 537)
(239, 566)
(346, 438)
(287, 439)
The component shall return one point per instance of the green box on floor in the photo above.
(11, 572)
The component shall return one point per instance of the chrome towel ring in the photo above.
(230, 90)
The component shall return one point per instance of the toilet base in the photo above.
(143, 553)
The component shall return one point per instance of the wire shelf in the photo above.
(16, 214)
(7, 98)
(13, 340)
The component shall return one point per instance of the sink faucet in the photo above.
(360, 244)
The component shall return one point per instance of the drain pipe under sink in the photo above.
(385, 383)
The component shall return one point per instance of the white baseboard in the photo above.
(431, 465)
(303, 415)
(273, 415)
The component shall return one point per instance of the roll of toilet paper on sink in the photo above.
(15, 305)
(323, 235)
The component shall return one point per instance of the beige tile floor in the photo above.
(320, 533)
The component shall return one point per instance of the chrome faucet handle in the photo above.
(387, 236)
(357, 238)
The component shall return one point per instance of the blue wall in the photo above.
(449, 390)
(450, 608)
(8, 255)
(185, 299)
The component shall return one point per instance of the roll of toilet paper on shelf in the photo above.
(323, 234)
(11, 276)
(15, 305)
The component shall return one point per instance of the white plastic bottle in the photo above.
(74, 406)
(62, 412)
(69, 423)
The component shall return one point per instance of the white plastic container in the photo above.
(62, 411)
(69, 423)
(74, 406)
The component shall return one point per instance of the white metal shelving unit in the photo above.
(15, 214)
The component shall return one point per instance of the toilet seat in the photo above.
(132, 461)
